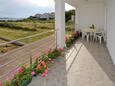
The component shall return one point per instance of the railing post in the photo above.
(60, 23)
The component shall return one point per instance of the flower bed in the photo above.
(69, 40)
(23, 74)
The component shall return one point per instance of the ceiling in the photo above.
(75, 3)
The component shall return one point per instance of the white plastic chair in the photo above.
(85, 34)
(91, 35)
(99, 36)
(104, 35)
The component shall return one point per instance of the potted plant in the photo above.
(54, 54)
(26, 79)
(23, 77)
(92, 27)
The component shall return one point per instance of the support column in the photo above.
(76, 20)
(60, 23)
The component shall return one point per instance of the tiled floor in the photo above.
(85, 64)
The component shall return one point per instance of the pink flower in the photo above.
(1, 83)
(20, 69)
(44, 74)
(61, 49)
(43, 63)
(46, 71)
(49, 59)
(33, 73)
(52, 61)
(39, 67)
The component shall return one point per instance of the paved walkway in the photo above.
(22, 55)
(86, 64)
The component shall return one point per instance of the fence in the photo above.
(10, 61)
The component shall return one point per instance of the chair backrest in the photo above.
(99, 33)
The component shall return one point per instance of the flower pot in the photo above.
(25, 83)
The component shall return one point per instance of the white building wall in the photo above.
(92, 13)
(111, 28)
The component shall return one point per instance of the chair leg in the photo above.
(95, 38)
(91, 37)
(87, 38)
(100, 40)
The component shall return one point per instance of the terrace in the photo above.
(86, 63)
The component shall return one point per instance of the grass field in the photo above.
(39, 26)
(14, 33)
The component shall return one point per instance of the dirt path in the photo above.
(21, 55)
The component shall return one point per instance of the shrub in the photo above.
(44, 58)
(54, 54)
(70, 40)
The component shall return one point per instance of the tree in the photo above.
(68, 15)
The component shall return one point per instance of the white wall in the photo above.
(111, 28)
(92, 13)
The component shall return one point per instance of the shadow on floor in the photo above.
(76, 51)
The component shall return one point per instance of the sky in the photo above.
(26, 8)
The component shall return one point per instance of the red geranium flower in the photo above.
(1, 83)
(21, 69)
(61, 49)
(39, 67)
(43, 63)
(45, 72)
